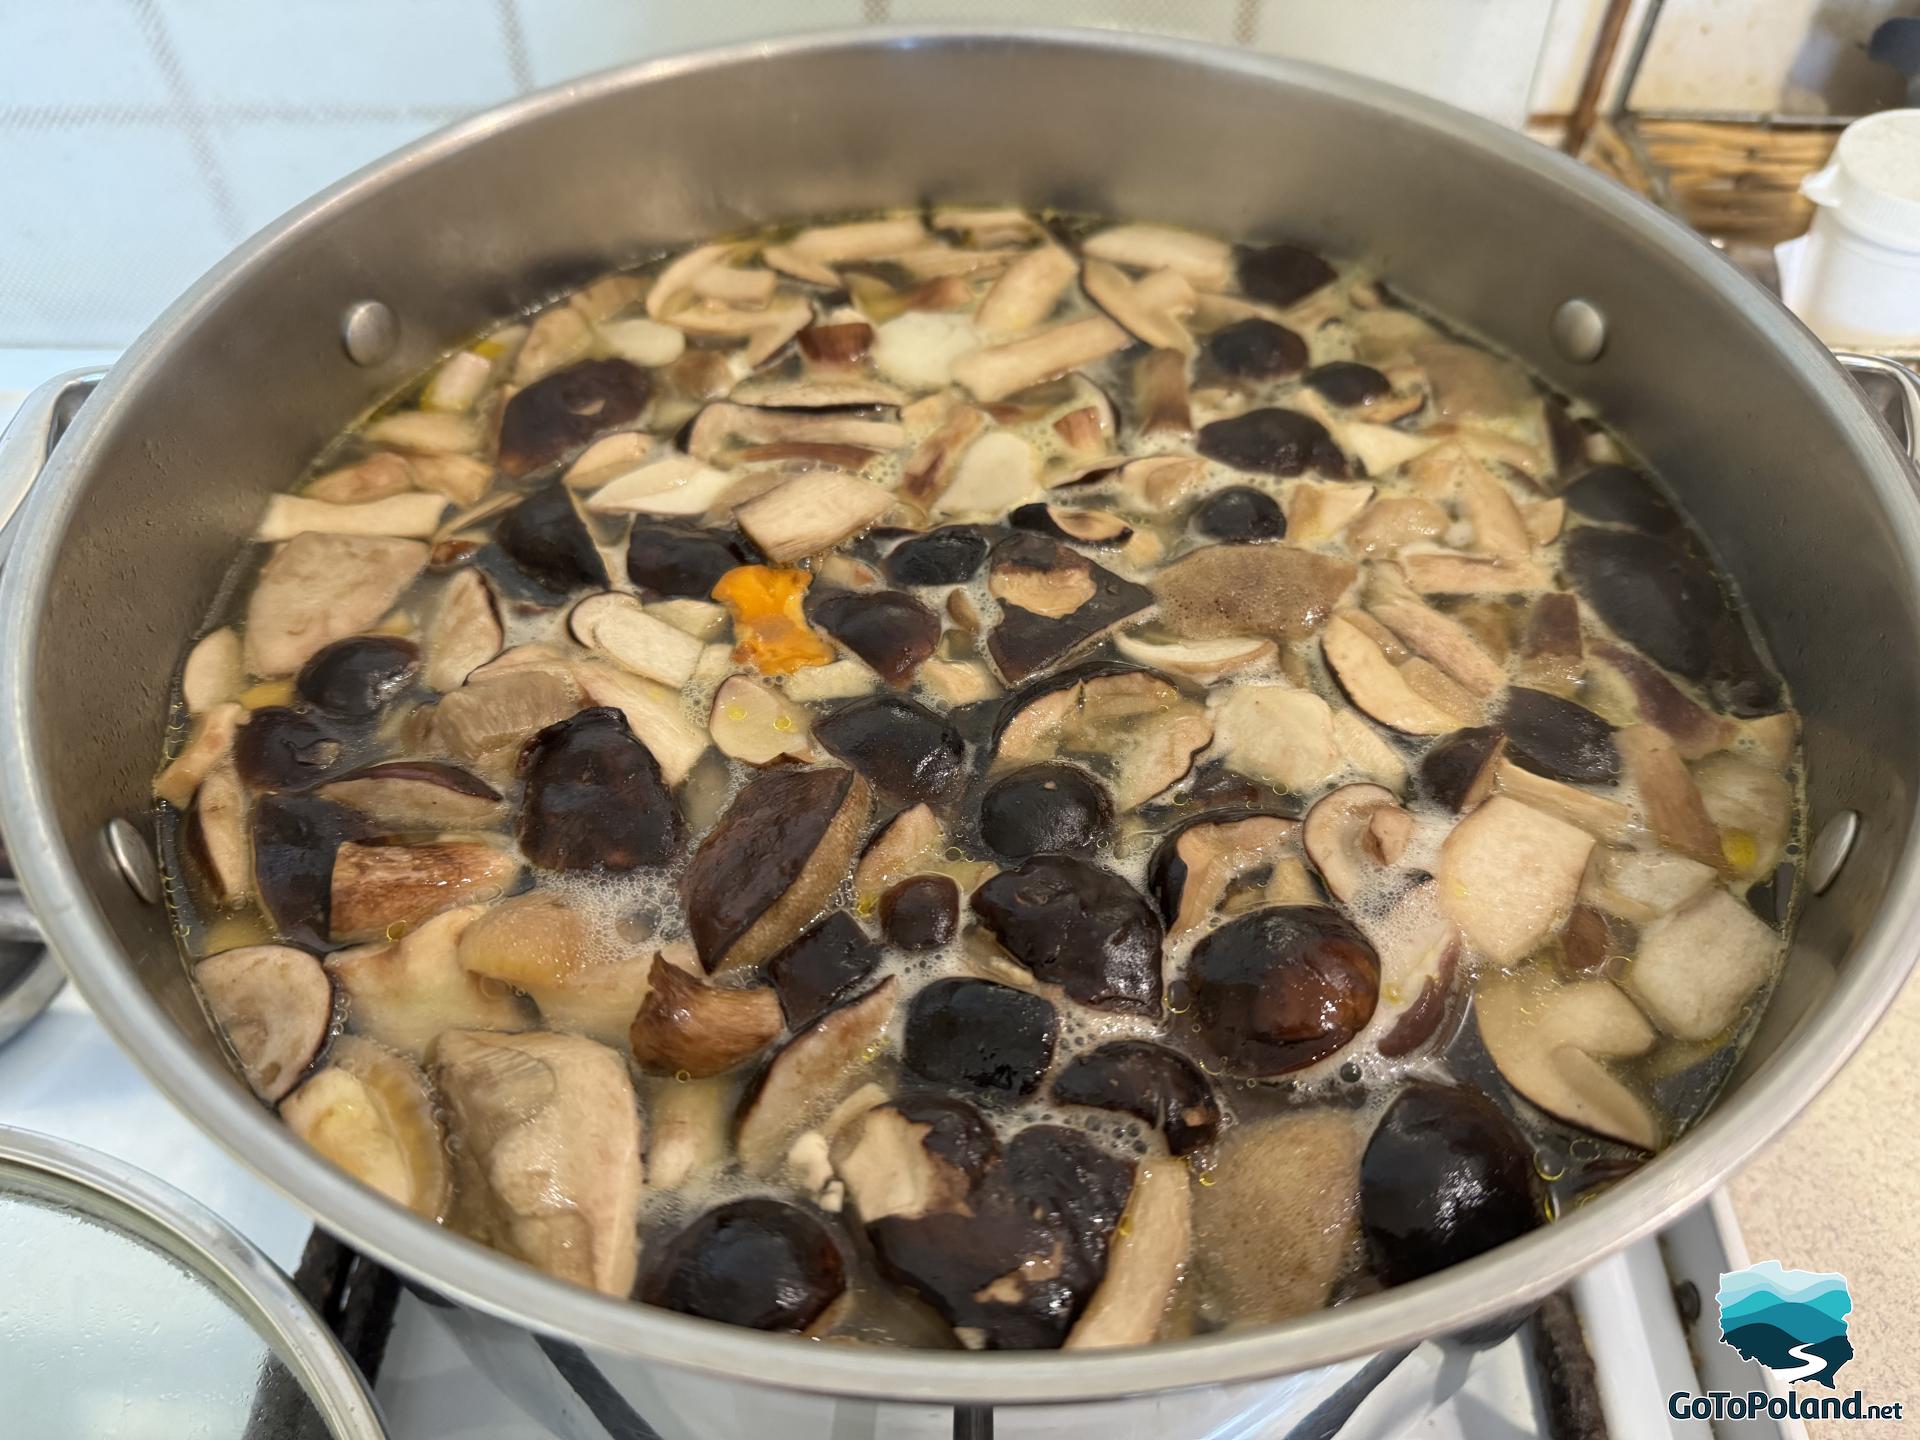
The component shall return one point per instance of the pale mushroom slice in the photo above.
(425, 432)
(1696, 968)
(725, 432)
(1275, 733)
(686, 1027)
(1133, 727)
(918, 350)
(756, 723)
(320, 588)
(929, 469)
(274, 1005)
(209, 743)
(994, 372)
(1356, 836)
(418, 795)
(406, 992)
(547, 1158)
(371, 1112)
(689, 1131)
(673, 286)
(1374, 684)
(213, 674)
(486, 720)
(811, 513)
(1145, 1262)
(1675, 811)
(465, 632)
(219, 837)
(383, 890)
(1446, 572)
(899, 1161)
(1366, 753)
(671, 485)
(811, 1074)
(1206, 859)
(1157, 324)
(373, 478)
(1753, 807)
(1643, 885)
(817, 393)
(1277, 1225)
(1026, 292)
(415, 514)
(1318, 510)
(643, 341)
(807, 254)
(1600, 817)
(1446, 642)
(655, 713)
(1380, 448)
(548, 950)
(1549, 1041)
(1202, 259)
(1419, 950)
(1202, 661)
(994, 474)
(617, 626)
(1508, 876)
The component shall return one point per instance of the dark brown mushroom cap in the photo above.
(1050, 808)
(822, 964)
(1076, 527)
(691, 1029)
(1347, 383)
(891, 631)
(683, 561)
(1272, 441)
(1149, 1081)
(356, 677)
(1444, 1178)
(1281, 274)
(1076, 925)
(1024, 641)
(295, 840)
(416, 792)
(548, 542)
(1257, 349)
(1283, 987)
(758, 1262)
(1015, 1272)
(903, 749)
(921, 912)
(595, 800)
(1459, 770)
(280, 748)
(1558, 738)
(951, 555)
(956, 1132)
(563, 413)
(990, 1039)
(1277, 591)
(771, 860)
(1240, 514)
(1620, 495)
(1167, 870)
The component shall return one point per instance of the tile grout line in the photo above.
(514, 37)
(1246, 18)
(876, 12)
(191, 120)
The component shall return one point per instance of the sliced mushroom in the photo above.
(889, 630)
(1696, 968)
(414, 514)
(994, 372)
(1419, 960)
(811, 513)
(1366, 753)
(1029, 570)
(811, 1074)
(754, 723)
(725, 429)
(1274, 733)
(1202, 259)
(548, 949)
(549, 543)
(950, 555)
(295, 839)
(1212, 858)
(381, 890)
(373, 478)
(425, 432)
(1558, 738)
(819, 967)
(1675, 811)
(913, 1157)
(556, 336)
(618, 627)
(275, 1007)
(465, 632)
(1027, 292)
(921, 912)
(1753, 807)
(673, 485)
(1445, 1177)
(913, 840)
(417, 794)
(1274, 592)
(1076, 925)
(688, 1027)
(998, 471)
(1445, 572)
(1283, 987)
(1108, 287)
(1600, 817)
(1549, 1041)
(320, 588)
(758, 1262)
(1144, 1267)
(1461, 768)
(557, 416)
(1354, 833)
(1374, 684)
(1508, 876)
(486, 720)
(1148, 1081)
(1157, 481)
(1393, 522)
(1444, 641)
(653, 712)
(370, 1112)
(1696, 731)
(846, 679)
(1258, 349)
(547, 1158)
(1317, 511)
(689, 1131)
(991, 1041)
(683, 561)
(1552, 651)
(1643, 885)
(1254, 1243)
(210, 742)
(1202, 661)
(1080, 527)
(404, 993)
(1134, 728)
(213, 674)
(355, 678)
(218, 835)
(1617, 495)
(769, 863)
(595, 800)
(1239, 514)
(1272, 441)
(904, 750)
(280, 748)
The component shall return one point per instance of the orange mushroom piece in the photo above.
(770, 629)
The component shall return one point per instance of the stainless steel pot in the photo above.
(125, 539)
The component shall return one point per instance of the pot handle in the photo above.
(1906, 388)
(27, 441)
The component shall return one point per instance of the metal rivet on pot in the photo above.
(370, 331)
(1830, 850)
(133, 857)
(1579, 331)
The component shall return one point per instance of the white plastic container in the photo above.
(1854, 277)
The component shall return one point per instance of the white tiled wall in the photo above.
(141, 139)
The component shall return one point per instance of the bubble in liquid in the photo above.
(683, 1076)
(1546, 1166)
(1350, 1072)
(397, 929)
(1584, 1149)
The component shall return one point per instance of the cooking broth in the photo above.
(982, 779)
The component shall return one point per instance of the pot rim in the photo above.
(1499, 1282)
